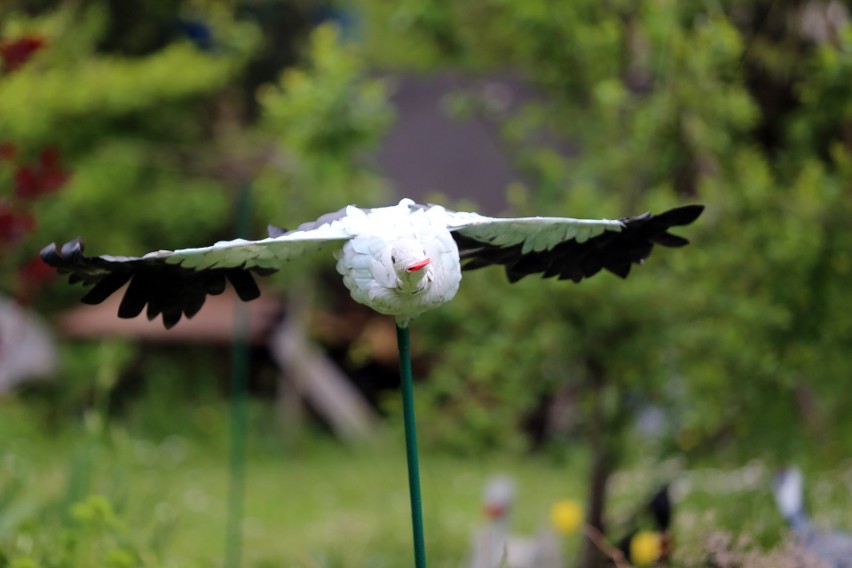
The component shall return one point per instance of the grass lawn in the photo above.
(312, 503)
(308, 503)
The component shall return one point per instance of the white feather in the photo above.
(534, 233)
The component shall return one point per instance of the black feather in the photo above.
(72, 249)
(171, 317)
(193, 304)
(214, 284)
(669, 240)
(104, 288)
(153, 311)
(135, 298)
(165, 289)
(244, 284)
(680, 216)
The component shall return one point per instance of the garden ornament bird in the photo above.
(400, 260)
(496, 546)
(832, 549)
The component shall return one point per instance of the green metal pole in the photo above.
(402, 340)
(239, 382)
(236, 489)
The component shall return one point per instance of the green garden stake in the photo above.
(237, 477)
(402, 340)
(239, 382)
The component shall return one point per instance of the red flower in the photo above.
(45, 177)
(53, 175)
(34, 273)
(7, 151)
(27, 183)
(16, 53)
(13, 225)
(53, 180)
(49, 157)
(31, 277)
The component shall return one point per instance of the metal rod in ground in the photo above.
(236, 489)
(239, 382)
(402, 340)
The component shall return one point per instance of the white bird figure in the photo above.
(400, 260)
(833, 549)
(494, 546)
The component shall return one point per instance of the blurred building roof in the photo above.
(427, 151)
(215, 323)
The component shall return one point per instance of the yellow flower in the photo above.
(645, 548)
(566, 516)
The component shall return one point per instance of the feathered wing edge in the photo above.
(176, 283)
(167, 289)
(571, 259)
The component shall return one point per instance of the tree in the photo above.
(121, 123)
(731, 105)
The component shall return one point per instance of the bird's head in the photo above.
(409, 259)
(498, 496)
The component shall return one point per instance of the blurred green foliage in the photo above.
(323, 116)
(134, 131)
(327, 111)
(739, 341)
(156, 141)
(739, 336)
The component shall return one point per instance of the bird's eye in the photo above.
(393, 259)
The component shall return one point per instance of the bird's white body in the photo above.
(373, 263)
(494, 545)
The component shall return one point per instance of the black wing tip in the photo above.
(170, 318)
(168, 291)
(243, 284)
(620, 270)
(47, 252)
(683, 215)
(72, 249)
(669, 240)
(64, 255)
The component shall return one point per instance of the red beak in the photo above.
(493, 511)
(415, 266)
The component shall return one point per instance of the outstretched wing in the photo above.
(175, 283)
(566, 248)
